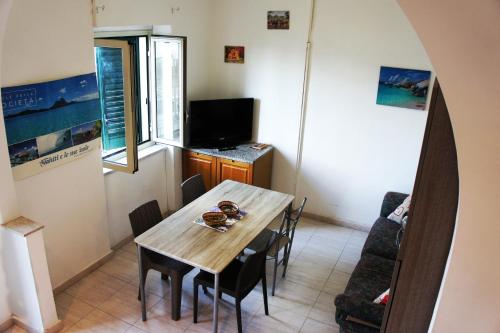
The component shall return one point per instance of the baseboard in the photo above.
(4, 326)
(121, 243)
(347, 224)
(86, 271)
(58, 326)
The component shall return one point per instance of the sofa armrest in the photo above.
(391, 201)
(360, 308)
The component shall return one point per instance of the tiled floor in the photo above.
(322, 259)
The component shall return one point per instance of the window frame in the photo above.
(183, 85)
(131, 165)
(147, 32)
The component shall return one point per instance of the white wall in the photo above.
(355, 150)
(46, 41)
(5, 311)
(272, 73)
(464, 49)
(125, 192)
(8, 199)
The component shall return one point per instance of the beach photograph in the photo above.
(35, 110)
(23, 152)
(86, 132)
(404, 88)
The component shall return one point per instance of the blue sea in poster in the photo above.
(37, 124)
(406, 88)
(37, 109)
(39, 117)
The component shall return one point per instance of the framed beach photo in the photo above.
(278, 20)
(234, 54)
(404, 88)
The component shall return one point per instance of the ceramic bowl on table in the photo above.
(214, 219)
(229, 208)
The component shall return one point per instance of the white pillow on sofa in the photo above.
(399, 213)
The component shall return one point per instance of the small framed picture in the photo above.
(234, 54)
(403, 87)
(278, 20)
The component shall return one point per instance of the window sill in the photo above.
(145, 150)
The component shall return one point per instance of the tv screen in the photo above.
(220, 122)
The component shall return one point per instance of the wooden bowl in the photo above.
(214, 219)
(229, 208)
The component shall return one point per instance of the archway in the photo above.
(424, 251)
(463, 43)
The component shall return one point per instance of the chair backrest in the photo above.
(294, 217)
(253, 270)
(145, 217)
(192, 188)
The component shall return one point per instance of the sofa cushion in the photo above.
(391, 201)
(370, 278)
(381, 240)
(401, 211)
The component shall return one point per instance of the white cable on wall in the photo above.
(305, 94)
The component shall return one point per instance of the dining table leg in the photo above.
(216, 304)
(141, 282)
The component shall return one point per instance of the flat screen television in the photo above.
(219, 123)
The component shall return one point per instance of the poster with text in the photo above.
(51, 123)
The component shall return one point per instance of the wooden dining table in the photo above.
(178, 237)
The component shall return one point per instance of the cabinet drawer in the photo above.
(195, 163)
(234, 170)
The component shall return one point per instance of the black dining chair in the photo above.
(142, 219)
(237, 280)
(192, 189)
(280, 239)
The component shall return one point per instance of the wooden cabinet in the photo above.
(216, 169)
(195, 163)
(234, 170)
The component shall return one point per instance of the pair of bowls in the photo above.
(217, 219)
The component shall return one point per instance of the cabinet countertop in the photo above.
(242, 153)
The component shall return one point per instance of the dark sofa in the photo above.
(355, 310)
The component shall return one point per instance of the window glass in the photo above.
(168, 61)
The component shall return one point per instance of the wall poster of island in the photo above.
(51, 123)
(405, 88)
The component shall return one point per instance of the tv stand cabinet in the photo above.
(243, 164)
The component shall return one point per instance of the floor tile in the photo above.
(324, 309)
(337, 282)
(121, 267)
(154, 284)
(159, 319)
(322, 258)
(99, 322)
(125, 305)
(71, 309)
(278, 321)
(313, 326)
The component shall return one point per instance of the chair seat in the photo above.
(227, 278)
(169, 263)
(261, 240)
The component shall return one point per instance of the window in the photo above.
(141, 83)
